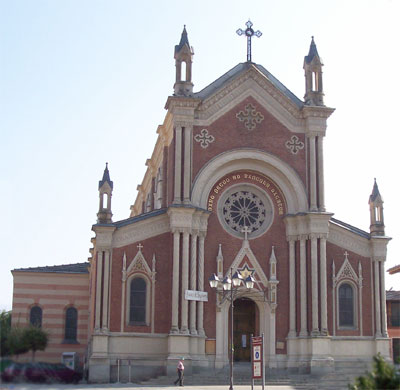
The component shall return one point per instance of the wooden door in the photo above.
(244, 321)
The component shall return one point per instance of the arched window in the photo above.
(71, 325)
(35, 316)
(137, 309)
(346, 305)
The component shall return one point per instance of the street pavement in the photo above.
(25, 386)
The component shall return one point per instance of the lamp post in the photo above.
(230, 286)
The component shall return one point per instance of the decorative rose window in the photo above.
(242, 206)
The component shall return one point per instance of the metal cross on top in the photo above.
(249, 32)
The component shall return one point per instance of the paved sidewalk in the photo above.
(23, 386)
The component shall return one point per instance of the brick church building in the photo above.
(235, 184)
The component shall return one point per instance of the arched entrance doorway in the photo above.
(244, 324)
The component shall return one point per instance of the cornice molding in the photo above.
(141, 230)
(378, 247)
(307, 225)
(317, 111)
(181, 102)
(188, 219)
(348, 240)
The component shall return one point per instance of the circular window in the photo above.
(242, 206)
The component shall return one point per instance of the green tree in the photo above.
(15, 342)
(5, 327)
(383, 376)
(35, 339)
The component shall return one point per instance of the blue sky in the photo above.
(85, 82)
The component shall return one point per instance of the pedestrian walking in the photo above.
(180, 368)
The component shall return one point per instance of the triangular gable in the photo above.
(245, 257)
(213, 88)
(346, 271)
(253, 80)
(139, 264)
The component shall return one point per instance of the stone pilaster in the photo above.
(292, 289)
(175, 283)
(303, 288)
(314, 285)
(185, 282)
(123, 293)
(178, 165)
(321, 185)
(99, 278)
(200, 305)
(383, 299)
(187, 164)
(106, 289)
(324, 299)
(315, 120)
(193, 277)
(313, 175)
(378, 331)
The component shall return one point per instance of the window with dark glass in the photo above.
(71, 324)
(346, 305)
(35, 317)
(395, 314)
(137, 310)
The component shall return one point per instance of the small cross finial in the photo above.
(249, 32)
(246, 231)
(140, 246)
(346, 255)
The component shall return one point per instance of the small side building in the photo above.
(55, 298)
(393, 318)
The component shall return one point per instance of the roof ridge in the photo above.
(351, 227)
(219, 83)
(58, 268)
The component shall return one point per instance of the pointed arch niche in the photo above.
(246, 261)
(138, 281)
(347, 298)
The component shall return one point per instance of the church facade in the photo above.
(235, 184)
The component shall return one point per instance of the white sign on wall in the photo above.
(193, 295)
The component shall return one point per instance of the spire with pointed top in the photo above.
(377, 226)
(106, 177)
(375, 192)
(313, 52)
(183, 62)
(314, 95)
(184, 40)
(105, 192)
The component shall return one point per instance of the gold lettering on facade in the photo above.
(250, 178)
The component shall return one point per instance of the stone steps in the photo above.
(218, 380)
(306, 382)
(344, 374)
